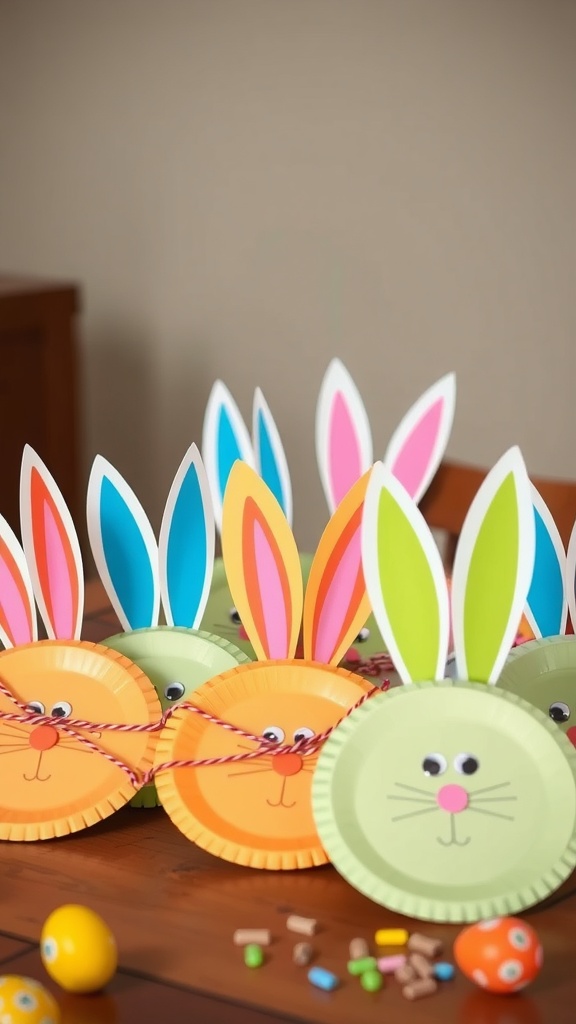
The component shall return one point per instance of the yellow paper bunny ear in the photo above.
(262, 564)
(336, 605)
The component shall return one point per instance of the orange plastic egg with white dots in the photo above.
(501, 955)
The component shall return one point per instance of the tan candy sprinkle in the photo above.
(249, 936)
(358, 949)
(418, 989)
(405, 974)
(421, 965)
(302, 954)
(425, 944)
(302, 925)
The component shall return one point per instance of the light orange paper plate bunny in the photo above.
(58, 777)
(253, 805)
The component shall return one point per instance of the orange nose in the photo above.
(43, 737)
(287, 764)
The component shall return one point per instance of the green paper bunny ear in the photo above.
(405, 579)
(493, 570)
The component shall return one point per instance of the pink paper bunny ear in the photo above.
(343, 437)
(52, 550)
(335, 604)
(262, 564)
(418, 444)
(17, 611)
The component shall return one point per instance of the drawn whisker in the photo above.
(413, 789)
(494, 800)
(250, 771)
(16, 737)
(412, 799)
(13, 749)
(488, 789)
(15, 727)
(493, 814)
(414, 814)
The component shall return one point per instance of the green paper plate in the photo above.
(173, 654)
(543, 672)
(491, 832)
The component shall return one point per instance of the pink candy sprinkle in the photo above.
(389, 964)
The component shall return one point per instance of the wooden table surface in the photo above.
(173, 909)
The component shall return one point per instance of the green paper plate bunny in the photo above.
(344, 453)
(543, 670)
(140, 575)
(449, 800)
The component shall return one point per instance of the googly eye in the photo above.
(466, 764)
(559, 711)
(273, 734)
(363, 636)
(37, 707)
(61, 709)
(434, 764)
(303, 733)
(235, 617)
(174, 691)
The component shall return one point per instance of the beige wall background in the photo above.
(245, 188)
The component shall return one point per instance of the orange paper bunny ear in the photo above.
(336, 606)
(262, 564)
(52, 550)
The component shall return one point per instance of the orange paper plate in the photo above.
(51, 784)
(256, 812)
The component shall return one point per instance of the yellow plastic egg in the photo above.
(78, 949)
(26, 1001)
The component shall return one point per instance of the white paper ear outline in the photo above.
(221, 398)
(570, 577)
(338, 380)
(445, 389)
(261, 408)
(381, 479)
(191, 458)
(102, 469)
(554, 536)
(511, 462)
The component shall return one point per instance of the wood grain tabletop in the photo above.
(173, 909)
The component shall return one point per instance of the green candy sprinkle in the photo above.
(253, 955)
(371, 981)
(364, 963)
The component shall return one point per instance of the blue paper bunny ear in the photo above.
(186, 544)
(269, 454)
(547, 607)
(123, 546)
(225, 439)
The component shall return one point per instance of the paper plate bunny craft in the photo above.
(543, 670)
(140, 574)
(63, 769)
(234, 772)
(473, 811)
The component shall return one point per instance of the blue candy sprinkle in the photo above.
(322, 978)
(444, 972)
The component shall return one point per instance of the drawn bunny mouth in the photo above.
(453, 841)
(37, 777)
(281, 803)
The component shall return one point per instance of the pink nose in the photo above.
(351, 656)
(571, 734)
(452, 798)
(242, 633)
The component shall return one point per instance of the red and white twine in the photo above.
(70, 727)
